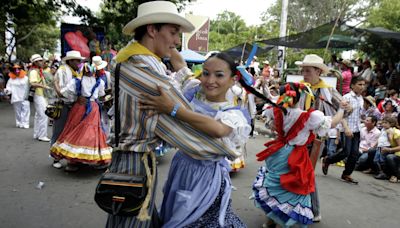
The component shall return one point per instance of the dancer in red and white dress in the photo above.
(83, 139)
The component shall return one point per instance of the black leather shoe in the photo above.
(381, 176)
(325, 166)
(348, 179)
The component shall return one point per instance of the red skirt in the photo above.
(83, 140)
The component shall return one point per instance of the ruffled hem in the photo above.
(283, 213)
(81, 154)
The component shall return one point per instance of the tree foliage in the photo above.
(307, 14)
(34, 24)
(385, 14)
(229, 30)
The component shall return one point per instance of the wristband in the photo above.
(175, 109)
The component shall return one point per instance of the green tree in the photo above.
(307, 14)
(229, 30)
(32, 24)
(385, 14)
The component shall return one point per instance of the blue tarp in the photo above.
(192, 56)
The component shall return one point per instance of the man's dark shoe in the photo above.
(325, 166)
(349, 179)
(368, 171)
(381, 176)
(71, 168)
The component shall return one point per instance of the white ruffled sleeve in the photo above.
(240, 129)
(319, 123)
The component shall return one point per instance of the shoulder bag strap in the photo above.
(117, 122)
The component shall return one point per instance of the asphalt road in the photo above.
(66, 200)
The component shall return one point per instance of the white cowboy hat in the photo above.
(157, 12)
(36, 57)
(266, 62)
(73, 55)
(98, 63)
(314, 61)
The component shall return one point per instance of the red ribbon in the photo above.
(291, 93)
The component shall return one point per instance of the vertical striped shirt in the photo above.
(354, 119)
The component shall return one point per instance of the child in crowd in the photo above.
(388, 129)
(333, 140)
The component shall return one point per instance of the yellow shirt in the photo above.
(34, 77)
(48, 70)
(392, 140)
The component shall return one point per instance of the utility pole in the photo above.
(282, 33)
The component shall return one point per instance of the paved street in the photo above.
(66, 200)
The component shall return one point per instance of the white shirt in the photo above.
(354, 119)
(108, 76)
(19, 88)
(367, 74)
(87, 84)
(383, 140)
(64, 76)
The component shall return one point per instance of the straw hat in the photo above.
(73, 55)
(36, 57)
(266, 62)
(313, 61)
(157, 12)
(370, 100)
(347, 63)
(98, 62)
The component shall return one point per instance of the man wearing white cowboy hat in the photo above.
(65, 73)
(325, 98)
(267, 71)
(37, 81)
(156, 31)
(99, 64)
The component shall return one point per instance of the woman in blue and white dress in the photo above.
(197, 192)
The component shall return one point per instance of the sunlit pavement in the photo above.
(66, 200)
